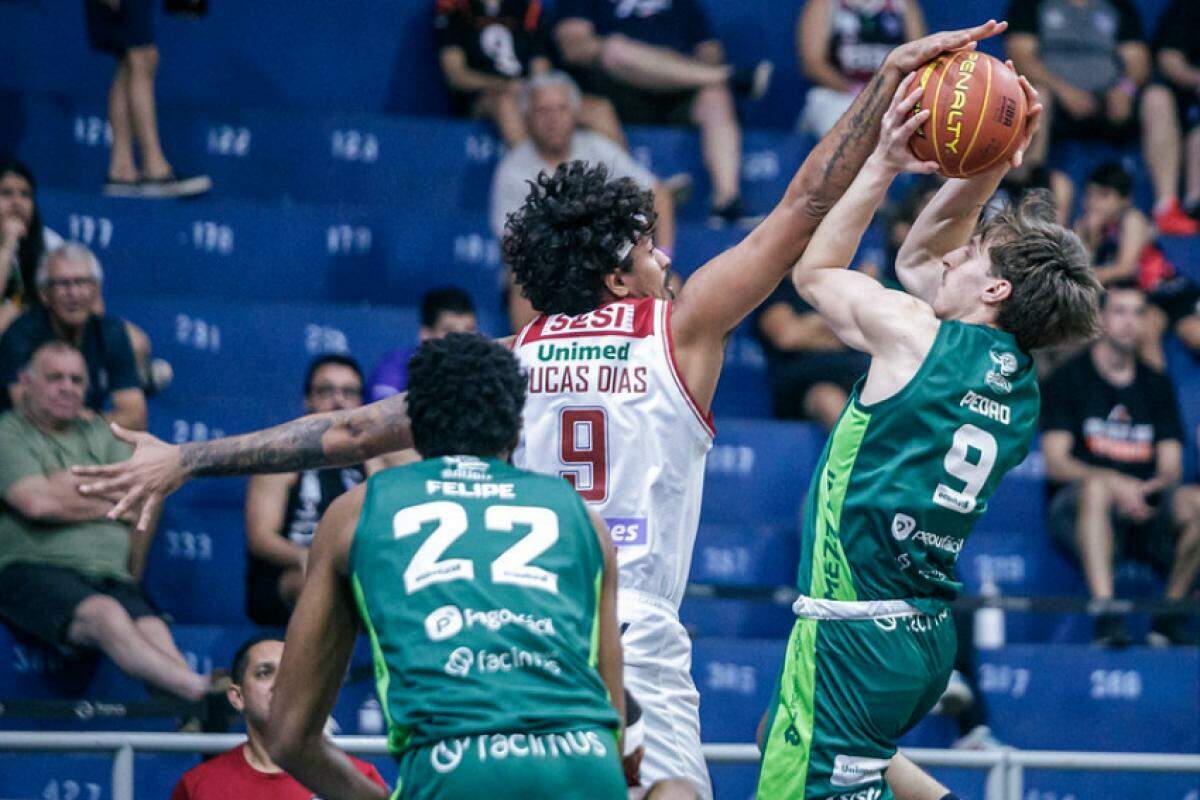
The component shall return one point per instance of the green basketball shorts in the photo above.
(849, 689)
(581, 764)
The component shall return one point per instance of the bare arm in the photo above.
(1168, 457)
(1135, 56)
(139, 548)
(1023, 48)
(792, 332)
(909, 782)
(128, 409)
(610, 660)
(1135, 235)
(725, 290)
(266, 502)
(461, 78)
(664, 205)
(1061, 466)
(1174, 65)
(914, 21)
(55, 500)
(320, 641)
(710, 52)
(812, 45)
(949, 219)
(576, 38)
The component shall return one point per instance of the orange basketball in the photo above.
(977, 113)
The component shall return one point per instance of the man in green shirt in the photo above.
(67, 574)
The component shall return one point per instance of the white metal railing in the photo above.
(1005, 766)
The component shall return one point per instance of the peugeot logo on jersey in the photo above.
(902, 526)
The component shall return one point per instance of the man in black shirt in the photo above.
(1111, 437)
(69, 284)
(1177, 56)
(487, 48)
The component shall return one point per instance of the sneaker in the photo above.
(978, 738)
(753, 83)
(1110, 631)
(957, 697)
(116, 188)
(174, 186)
(680, 186)
(1168, 629)
(1172, 221)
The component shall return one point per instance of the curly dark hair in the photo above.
(465, 395)
(567, 236)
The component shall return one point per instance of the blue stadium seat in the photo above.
(736, 678)
(746, 555)
(739, 619)
(758, 471)
(197, 566)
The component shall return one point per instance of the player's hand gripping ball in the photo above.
(977, 113)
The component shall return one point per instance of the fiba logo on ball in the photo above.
(444, 622)
(459, 662)
(902, 526)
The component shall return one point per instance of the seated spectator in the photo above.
(282, 510)
(247, 772)
(68, 281)
(659, 64)
(551, 107)
(1178, 60)
(1088, 61)
(841, 43)
(810, 371)
(1121, 241)
(1111, 437)
(68, 575)
(23, 241)
(488, 49)
(446, 310)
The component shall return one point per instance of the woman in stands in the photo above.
(23, 239)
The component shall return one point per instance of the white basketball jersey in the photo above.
(608, 410)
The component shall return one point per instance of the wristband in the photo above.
(1128, 87)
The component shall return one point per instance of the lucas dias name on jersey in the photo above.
(606, 378)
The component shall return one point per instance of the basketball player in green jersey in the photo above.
(489, 597)
(949, 404)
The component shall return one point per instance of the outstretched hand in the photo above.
(899, 125)
(142, 483)
(911, 55)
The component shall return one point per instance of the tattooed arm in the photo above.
(725, 290)
(334, 439)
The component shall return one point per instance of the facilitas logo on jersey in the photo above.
(462, 660)
(448, 754)
(447, 621)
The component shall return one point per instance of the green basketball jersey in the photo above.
(902, 482)
(479, 586)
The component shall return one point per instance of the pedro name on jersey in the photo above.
(608, 411)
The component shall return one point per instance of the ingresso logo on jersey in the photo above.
(462, 660)
(904, 526)
(447, 621)
(448, 754)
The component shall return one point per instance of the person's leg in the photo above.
(1154, 327)
(1161, 143)
(824, 403)
(143, 69)
(673, 789)
(121, 166)
(156, 632)
(721, 140)
(290, 584)
(1185, 513)
(502, 109)
(909, 782)
(1094, 536)
(1192, 185)
(102, 622)
(658, 69)
(597, 114)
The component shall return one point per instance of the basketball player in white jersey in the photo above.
(622, 379)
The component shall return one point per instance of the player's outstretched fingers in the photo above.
(149, 514)
(133, 499)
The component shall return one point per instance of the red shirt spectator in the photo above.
(230, 775)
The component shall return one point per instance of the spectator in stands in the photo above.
(445, 310)
(1177, 46)
(68, 575)
(23, 240)
(488, 49)
(660, 64)
(282, 510)
(1111, 437)
(809, 370)
(247, 772)
(550, 104)
(1121, 240)
(124, 29)
(69, 280)
(1088, 61)
(841, 43)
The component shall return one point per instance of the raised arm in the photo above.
(862, 313)
(949, 219)
(725, 290)
(337, 438)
